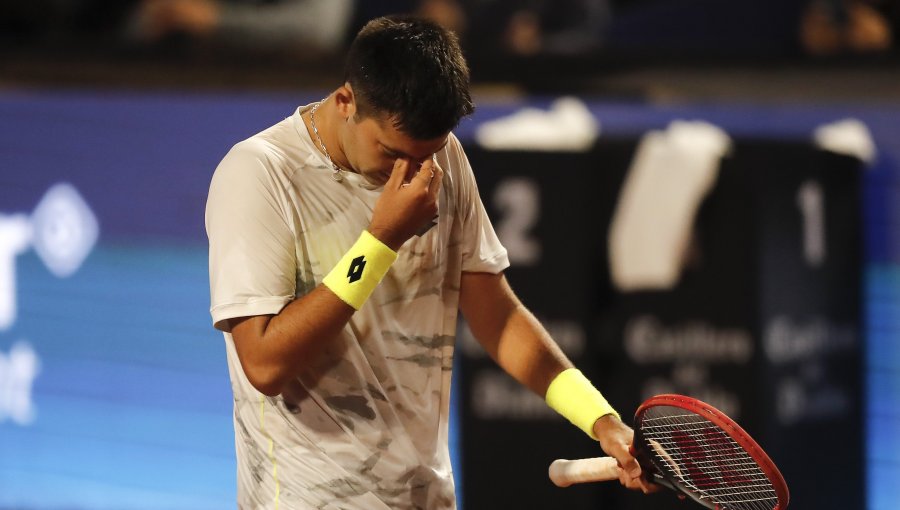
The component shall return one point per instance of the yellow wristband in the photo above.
(573, 396)
(360, 270)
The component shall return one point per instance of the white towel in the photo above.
(848, 136)
(672, 171)
(567, 126)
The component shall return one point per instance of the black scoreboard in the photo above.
(764, 321)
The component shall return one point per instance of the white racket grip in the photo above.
(598, 469)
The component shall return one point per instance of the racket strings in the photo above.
(706, 460)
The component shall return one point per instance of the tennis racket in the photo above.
(692, 448)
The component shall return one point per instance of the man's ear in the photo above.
(345, 101)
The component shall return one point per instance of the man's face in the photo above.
(372, 144)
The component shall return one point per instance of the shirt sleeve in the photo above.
(481, 248)
(252, 257)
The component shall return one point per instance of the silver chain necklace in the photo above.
(338, 173)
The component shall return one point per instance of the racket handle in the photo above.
(598, 469)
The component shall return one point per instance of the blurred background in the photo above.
(698, 197)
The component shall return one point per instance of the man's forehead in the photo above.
(394, 139)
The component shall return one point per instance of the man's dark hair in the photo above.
(413, 71)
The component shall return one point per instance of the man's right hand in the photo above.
(405, 207)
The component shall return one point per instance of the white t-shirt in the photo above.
(365, 425)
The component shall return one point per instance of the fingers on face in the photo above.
(398, 174)
(425, 174)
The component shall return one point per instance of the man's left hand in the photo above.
(616, 439)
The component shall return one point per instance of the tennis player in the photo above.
(343, 240)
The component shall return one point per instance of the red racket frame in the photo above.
(729, 427)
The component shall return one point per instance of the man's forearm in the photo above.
(527, 352)
(275, 349)
(510, 334)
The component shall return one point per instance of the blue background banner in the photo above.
(114, 391)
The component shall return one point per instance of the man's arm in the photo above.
(510, 334)
(273, 349)
(514, 338)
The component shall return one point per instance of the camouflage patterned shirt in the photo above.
(365, 425)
